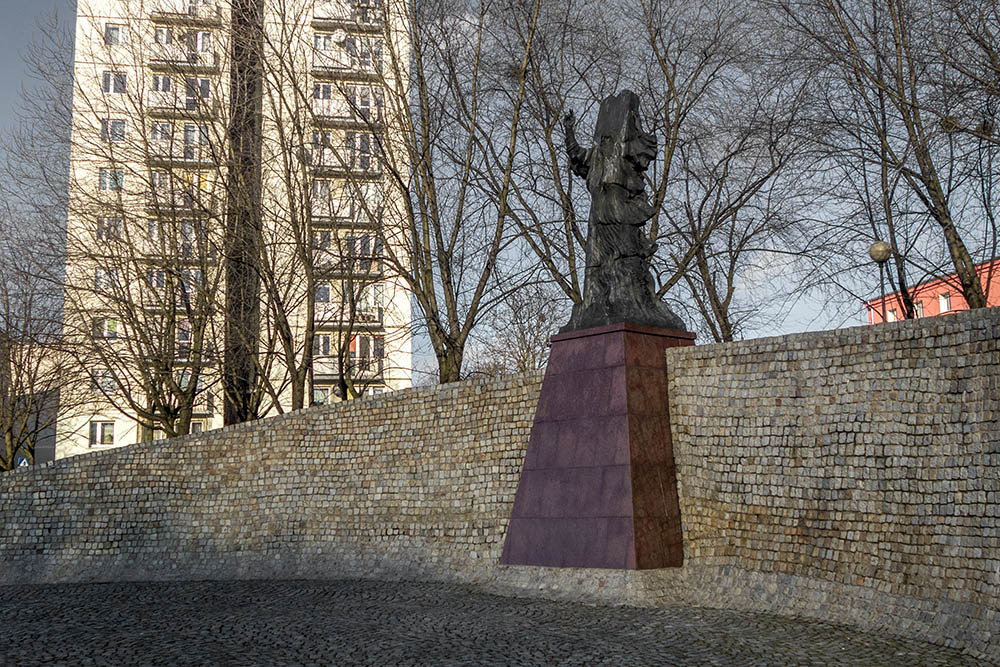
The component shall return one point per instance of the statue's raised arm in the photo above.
(577, 154)
(617, 284)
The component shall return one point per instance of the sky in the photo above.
(17, 26)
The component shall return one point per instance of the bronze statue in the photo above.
(617, 284)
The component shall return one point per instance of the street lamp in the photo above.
(880, 251)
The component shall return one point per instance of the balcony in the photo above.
(331, 163)
(353, 59)
(173, 154)
(365, 369)
(178, 58)
(181, 201)
(357, 15)
(178, 106)
(335, 314)
(186, 13)
(340, 113)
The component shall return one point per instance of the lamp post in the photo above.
(880, 251)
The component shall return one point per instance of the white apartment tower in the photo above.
(145, 244)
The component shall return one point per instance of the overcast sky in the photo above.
(17, 26)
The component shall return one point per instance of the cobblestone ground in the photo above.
(377, 623)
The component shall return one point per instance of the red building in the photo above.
(938, 297)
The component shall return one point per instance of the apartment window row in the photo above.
(321, 394)
(365, 53)
(362, 349)
(195, 40)
(357, 153)
(944, 306)
(368, 299)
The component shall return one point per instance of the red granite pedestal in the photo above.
(598, 486)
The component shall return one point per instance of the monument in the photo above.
(598, 486)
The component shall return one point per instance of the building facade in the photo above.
(936, 297)
(145, 280)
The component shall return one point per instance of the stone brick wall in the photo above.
(417, 483)
(851, 476)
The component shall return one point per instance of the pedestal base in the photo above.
(598, 486)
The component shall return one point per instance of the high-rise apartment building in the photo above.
(146, 245)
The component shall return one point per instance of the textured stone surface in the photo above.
(374, 623)
(598, 487)
(850, 476)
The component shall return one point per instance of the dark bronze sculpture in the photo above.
(617, 285)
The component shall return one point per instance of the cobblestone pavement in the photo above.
(378, 623)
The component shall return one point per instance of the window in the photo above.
(156, 278)
(366, 11)
(321, 189)
(102, 434)
(322, 239)
(108, 228)
(113, 82)
(194, 135)
(322, 91)
(114, 34)
(322, 293)
(197, 427)
(161, 131)
(111, 179)
(191, 279)
(321, 345)
(362, 98)
(159, 181)
(920, 308)
(161, 83)
(197, 89)
(155, 230)
(187, 239)
(200, 42)
(891, 316)
(359, 150)
(323, 41)
(321, 395)
(105, 327)
(367, 352)
(321, 139)
(944, 302)
(164, 36)
(367, 53)
(112, 130)
(102, 380)
(183, 339)
(105, 279)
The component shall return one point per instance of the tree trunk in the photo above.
(243, 220)
(449, 359)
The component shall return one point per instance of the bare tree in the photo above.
(888, 117)
(442, 237)
(514, 336)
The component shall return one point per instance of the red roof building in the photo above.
(938, 297)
